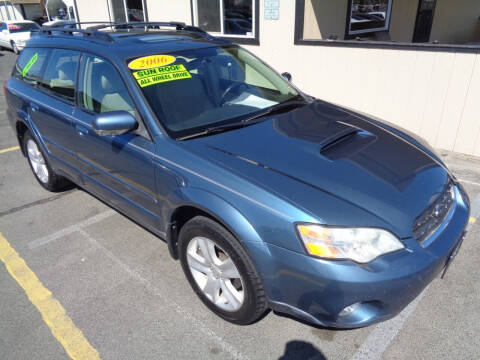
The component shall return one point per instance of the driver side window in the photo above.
(101, 87)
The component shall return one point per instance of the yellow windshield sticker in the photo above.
(161, 74)
(152, 61)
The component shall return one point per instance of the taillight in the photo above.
(5, 87)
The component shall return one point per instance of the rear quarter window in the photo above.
(30, 64)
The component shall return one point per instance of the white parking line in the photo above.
(469, 182)
(382, 335)
(187, 315)
(79, 227)
(71, 229)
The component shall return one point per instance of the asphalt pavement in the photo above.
(130, 300)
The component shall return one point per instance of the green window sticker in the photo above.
(161, 74)
(29, 65)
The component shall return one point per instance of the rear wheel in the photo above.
(40, 167)
(221, 272)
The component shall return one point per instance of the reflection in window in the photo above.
(226, 17)
(369, 15)
(127, 10)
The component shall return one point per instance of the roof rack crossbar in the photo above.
(94, 31)
(134, 25)
(85, 32)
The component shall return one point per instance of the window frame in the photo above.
(41, 72)
(369, 44)
(142, 124)
(349, 34)
(110, 10)
(235, 38)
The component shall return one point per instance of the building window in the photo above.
(127, 10)
(227, 18)
(366, 16)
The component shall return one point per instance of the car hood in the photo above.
(325, 149)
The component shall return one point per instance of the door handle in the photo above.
(82, 131)
(34, 107)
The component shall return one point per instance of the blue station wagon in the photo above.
(270, 198)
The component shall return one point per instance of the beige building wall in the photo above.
(431, 93)
(169, 10)
(402, 20)
(324, 18)
(456, 22)
(92, 10)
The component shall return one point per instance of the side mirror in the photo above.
(114, 123)
(287, 76)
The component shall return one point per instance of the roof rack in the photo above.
(94, 31)
(49, 30)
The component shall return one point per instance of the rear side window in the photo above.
(61, 73)
(30, 64)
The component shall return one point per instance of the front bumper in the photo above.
(318, 290)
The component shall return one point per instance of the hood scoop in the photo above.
(346, 143)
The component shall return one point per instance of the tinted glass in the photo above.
(3, 26)
(209, 15)
(368, 14)
(118, 9)
(101, 88)
(208, 87)
(61, 73)
(22, 27)
(135, 10)
(30, 64)
(237, 15)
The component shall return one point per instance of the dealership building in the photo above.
(412, 62)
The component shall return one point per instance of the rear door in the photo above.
(118, 168)
(52, 110)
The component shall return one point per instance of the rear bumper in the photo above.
(317, 290)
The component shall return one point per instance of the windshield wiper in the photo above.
(292, 103)
(214, 129)
(289, 104)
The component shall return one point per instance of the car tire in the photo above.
(40, 166)
(225, 279)
(15, 47)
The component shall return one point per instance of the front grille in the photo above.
(434, 215)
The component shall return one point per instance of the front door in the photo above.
(423, 25)
(118, 168)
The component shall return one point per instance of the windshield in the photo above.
(201, 88)
(23, 27)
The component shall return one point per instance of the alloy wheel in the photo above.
(37, 161)
(215, 273)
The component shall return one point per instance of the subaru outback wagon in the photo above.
(270, 198)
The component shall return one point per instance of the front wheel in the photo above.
(220, 271)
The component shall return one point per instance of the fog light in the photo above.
(349, 309)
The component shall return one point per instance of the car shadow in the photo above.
(298, 349)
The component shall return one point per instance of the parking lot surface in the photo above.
(128, 299)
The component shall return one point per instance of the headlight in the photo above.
(358, 244)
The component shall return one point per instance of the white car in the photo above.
(15, 33)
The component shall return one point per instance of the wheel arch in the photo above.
(202, 202)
